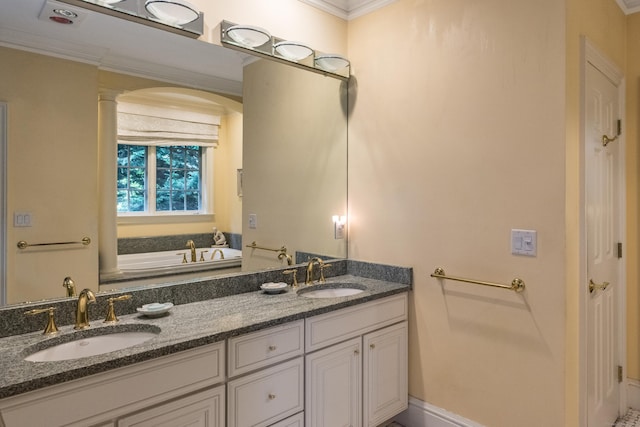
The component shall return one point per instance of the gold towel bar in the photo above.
(23, 245)
(254, 245)
(516, 284)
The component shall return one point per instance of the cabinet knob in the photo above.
(372, 346)
(272, 348)
(356, 352)
(272, 396)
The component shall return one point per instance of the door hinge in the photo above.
(619, 127)
(619, 250)
(619, 373)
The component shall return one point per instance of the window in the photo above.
(156, 180)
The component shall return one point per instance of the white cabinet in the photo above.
(374, 357)
(334, 386)
(266, 396)
(385, 373)
(203, 409)
(108, 397)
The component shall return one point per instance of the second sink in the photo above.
(331, 290)
(90, 343)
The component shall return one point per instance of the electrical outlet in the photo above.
(339, 230)
(253, 221)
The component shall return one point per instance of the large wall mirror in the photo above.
(291, 130)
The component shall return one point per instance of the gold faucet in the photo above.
(82, 313)
(70, 285)
(192, 248)
(216, 251)
(315, 260)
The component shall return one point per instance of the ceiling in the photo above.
(106, 42)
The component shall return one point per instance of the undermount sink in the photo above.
(87, 343)
(331, 290)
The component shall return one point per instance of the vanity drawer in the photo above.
(266, 347)
(340, 325)
(268, 396)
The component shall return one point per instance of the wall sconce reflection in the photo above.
(339, 226)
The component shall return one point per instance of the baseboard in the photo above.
(633, 393)
(423, 414)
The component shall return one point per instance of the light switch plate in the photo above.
(524, 242)
(22, 219)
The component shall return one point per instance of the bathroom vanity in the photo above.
(249, 359)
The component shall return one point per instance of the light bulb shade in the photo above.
(331, 62)
(173, 12)
(248, 35)
(293, 50)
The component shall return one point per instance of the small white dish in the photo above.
(274, 288)
(155, 309)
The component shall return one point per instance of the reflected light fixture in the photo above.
(174, 12)
(248, 35)
(331, 62)
(294, 51)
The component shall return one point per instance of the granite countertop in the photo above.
(185, 326)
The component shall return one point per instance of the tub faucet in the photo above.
(217, 251)
(82, 313)
(70, 285)
(192, 248)
(312, 262)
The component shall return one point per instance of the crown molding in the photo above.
(348, 9)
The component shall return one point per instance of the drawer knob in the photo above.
(272, 348)
(272, 396)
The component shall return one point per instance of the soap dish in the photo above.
(155, 309)
(274, 288)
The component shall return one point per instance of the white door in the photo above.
(603, 234)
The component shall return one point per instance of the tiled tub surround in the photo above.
(205, 312)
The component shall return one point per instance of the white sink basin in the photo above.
(91, 346)
(331, 290)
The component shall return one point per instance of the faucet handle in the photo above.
(294, 273)
(322, 267)
(111, 313)
(202, 255)
(184, 257)
(51, 327)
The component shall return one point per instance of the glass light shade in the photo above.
(331, 62)
(175, 12)
(248, 35)
(293, 50)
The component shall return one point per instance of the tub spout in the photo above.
(217, 251)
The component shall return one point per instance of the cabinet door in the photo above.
(385, 374)
(334, 386)
(204, 409)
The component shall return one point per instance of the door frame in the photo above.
(590, 54)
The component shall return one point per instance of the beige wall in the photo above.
(295, 160)
(456, 137)
(52, 125)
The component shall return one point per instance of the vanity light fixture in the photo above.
(248, 35)
(259, 42)
(173, 12)
(331, 62)
(293, 50)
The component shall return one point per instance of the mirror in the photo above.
(53, 163)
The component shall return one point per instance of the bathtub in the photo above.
(171, 261)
